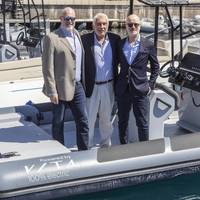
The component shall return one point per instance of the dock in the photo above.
(20, 69)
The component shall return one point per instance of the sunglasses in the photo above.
(68, 18)
(130, 25)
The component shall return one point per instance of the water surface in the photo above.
(186, 187)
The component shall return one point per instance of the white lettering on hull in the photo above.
(49, 169)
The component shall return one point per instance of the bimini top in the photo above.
(170, 2)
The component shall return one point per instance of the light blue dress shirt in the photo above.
(131, 50)
(76, 47)
(103, 60)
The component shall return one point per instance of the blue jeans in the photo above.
(140, 105)
(78, 108)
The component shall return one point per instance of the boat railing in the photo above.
(32, 35)
(165, 4)
(151, 35)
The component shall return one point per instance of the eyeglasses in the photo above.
(68, 18)
(131, 25)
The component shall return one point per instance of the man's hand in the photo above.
(54, 99)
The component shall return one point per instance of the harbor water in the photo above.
(186, 187)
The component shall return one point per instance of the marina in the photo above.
(24, 23)
(34, 166)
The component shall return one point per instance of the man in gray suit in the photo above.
(63, 72)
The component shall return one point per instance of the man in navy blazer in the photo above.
(133, 86)
(101, 69)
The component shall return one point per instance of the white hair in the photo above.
(98, 16)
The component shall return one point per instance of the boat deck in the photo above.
(20, 69)
(170, 129)
(26, 87)
(20, 139)
(29, 140)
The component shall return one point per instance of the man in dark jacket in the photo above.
(100, 74)
(133, 86)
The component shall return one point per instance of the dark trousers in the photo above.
(78, 108)
(140, 105)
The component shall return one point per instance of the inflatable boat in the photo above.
(70, 173)
(34, 166)
(37, 167)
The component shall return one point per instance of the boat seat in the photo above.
(37, 113)
(171, 93)
(11, 117)
(26, 139)
(163, 101)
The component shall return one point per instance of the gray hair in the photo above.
(100, 15)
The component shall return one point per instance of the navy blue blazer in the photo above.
(136, 76)
(90, 67)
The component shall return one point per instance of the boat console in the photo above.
(187, 74)
(186, 81)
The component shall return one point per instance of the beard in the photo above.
(133, 33)
(69, 28)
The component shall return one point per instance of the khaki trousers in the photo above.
(101, 102)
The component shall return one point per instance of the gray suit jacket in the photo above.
(58, 66)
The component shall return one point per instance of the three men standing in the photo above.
(68, 70)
